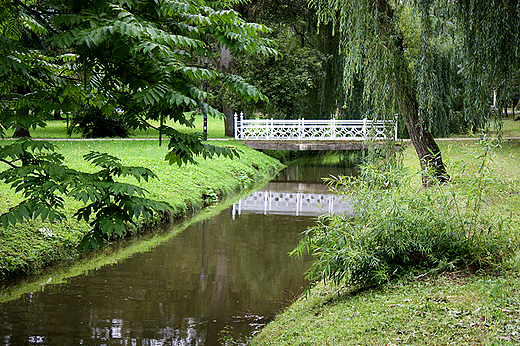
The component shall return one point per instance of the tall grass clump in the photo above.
(398, 226)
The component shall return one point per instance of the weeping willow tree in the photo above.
(491, 32)
(418, 74)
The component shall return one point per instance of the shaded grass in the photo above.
(446, 310)
(33, 245)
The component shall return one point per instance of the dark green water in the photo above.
(228, 272)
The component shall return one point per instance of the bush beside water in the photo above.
(399, 226)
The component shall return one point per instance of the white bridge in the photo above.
(291, 203)
(314, 130)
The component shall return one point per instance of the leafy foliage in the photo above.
(396, 227)
(425, 60)
(288, 81)
(28, 73)
(306, 80)
(143, 58)
(38, 172)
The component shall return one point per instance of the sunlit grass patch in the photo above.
(468, 306)
(58, 129)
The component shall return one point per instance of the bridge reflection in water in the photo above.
(292, 199)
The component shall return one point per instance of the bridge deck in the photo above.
(311, 145)
(313, 134)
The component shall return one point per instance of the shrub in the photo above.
(397, 227)
(95, 122)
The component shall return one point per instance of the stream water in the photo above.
(228, 274)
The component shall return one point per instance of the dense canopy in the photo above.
(141, 59)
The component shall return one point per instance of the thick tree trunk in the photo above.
(426, 148)
(229, 121)
(21, 132)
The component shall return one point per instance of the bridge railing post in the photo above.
(364, 130)
(242, 127)
(333, 129)
(236, 125)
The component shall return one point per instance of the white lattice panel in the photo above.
(271, 129)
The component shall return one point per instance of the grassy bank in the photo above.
(461, 307)
(30, 247)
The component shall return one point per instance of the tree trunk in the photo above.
(426, 148)
(21, 132)
(229, 121)
(57, 114)
(226, 66)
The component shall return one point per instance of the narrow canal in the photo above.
(228, 274)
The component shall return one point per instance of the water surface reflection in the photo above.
(229, 270)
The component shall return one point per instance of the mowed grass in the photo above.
(450, 309)
(58, 129)
(31, 246)
(506, 128)
(454, 308)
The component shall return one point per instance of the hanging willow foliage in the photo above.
(491, 31)
(373, 47)
(434, 62)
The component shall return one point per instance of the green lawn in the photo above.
(57, 129)
(509, 128)
(29, 247)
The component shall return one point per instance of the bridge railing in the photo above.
(302, 129)
(291, 203)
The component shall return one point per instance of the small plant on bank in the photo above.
(398, 227)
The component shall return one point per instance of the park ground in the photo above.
(29, 247)
(461, 307)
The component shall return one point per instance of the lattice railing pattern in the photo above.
(291, 203)
(302, 129)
